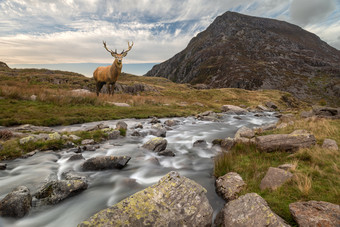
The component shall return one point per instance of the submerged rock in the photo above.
(3, 166)
(174, 201)
(55, 191)
(105, 162)
(17, 203)
(248, 210)
(315, 213)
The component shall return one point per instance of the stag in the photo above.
(109, 74)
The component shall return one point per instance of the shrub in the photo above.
(5, 134)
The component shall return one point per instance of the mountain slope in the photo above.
(248, 52)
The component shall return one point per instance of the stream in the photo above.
(145, 168)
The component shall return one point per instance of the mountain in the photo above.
(241, 51)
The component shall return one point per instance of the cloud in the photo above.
(304, 12)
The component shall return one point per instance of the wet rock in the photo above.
(285, 142)
(136, 133)
(121, 125)
(71, 175)
(3, 166)
(87, 142)
(155, 120)
(227, 143)
(271, 105)
(156, 144)
(209, 116)
(171, 122)
(55, 191)
(74, 137)
(75, 157)
(248, 210)
(112, 135)
(159, 132)
(238, 117)
(105, 162)
(315, 213)
(330, 144)
(90, 147)
(139, 125)
(17, 203)
(229, 185)
(29, 154)
(274, 178)
(233, 109)
(166, 152)
(174, 201)
(200, 143)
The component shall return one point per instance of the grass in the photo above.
(316, 172)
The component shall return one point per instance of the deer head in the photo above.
(118, 57)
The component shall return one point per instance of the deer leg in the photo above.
(99, 87)
(113, 87)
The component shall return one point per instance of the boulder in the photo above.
(139, 125)
(112, 135)
(155, 120)
(229, 185)
(244, 132)
(75, 157)
(167, 152)
(285, 142)
(54, 136)
(174, 201)
(158, 133)
(57, 190)
(17, 203)
(121, 125)
(87, 142)
(271, 105)
(274, 178)
(323, 111)
(105, 162)
(330, 144)
(157, 126)
(200, 143)
(30, 138)
(156, 144)
(233, 109)
(171, 122)
(227, 143)
(29, 154)
(315, 213)
(209, 116)
(3, 166)
(248, 210)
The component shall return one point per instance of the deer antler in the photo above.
(129, 48)
(111, 51)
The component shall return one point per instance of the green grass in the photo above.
(316, 176)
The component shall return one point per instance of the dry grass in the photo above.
(303, 182)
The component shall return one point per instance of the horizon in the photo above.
(72, 31)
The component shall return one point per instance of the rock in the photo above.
(29, 154)
(32, 128)
(282, 125)
(158, 133)
(268, 127)
(71, 175)
(315, 213)
(233, 109)
(156, 144)
(81, 91)
(105, 162)
(166, 153)
(287, 167)
(137, 133)
(121, 125)
(200, 143)
(96, 127)
(27, 139)
(174, 201)
(75, 157)
(139, 125)
(57, 190)
(248, 210)
(17, 203)
(274, 178)
(157, 126)
(238, 117)
(323, 111)
(285, 142)
(227, 143)
(54, 136)
(306, 114)
(87, 142)
(271, 105)
(33, 97)
(112, 135)
(330, 144)
(155, 120)
(287, 117)
(121, 104)
(74, 137)
(262, 108)
(244, 132)
(65, 137)
(90, 147)
(229, 185)
(3, 166)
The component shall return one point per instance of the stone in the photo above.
(54, 136)
(64, 137)
(29, 154)
(3, 166)
(315, 213)
(271, 105)
(32, 128)
(55, 191)
(17, 203)
(330, 144)
(136, 133)
(287, 167)
(306, 114)
(121, 125)
(233, 109)
(200, 143)
(87, 142)
(75, 157)
(112, 135)
(323, 111)
(262, 108)
(156, 144)
(248, 210)
(229, 185)
(155, 120)
(27, 139)
(71, 175)
(33, 97)
(174, 201)
(227, 143)
(74, 137)
(139, 125)
(282, 125)
(244, 132)
(105, 162)
(285, 142)
(166, 152)
(268, 127)
(274, 178)
(157, 126)
(287, 118)
(96, 127)
(171, 122)
(158, 133)
(90, 147)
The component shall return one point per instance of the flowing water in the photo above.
(111, 186)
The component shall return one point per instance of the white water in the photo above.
(111, 186)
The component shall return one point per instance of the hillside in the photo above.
(248, 52)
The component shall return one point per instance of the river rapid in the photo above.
(145, 168)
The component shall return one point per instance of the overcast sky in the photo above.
(72, 31)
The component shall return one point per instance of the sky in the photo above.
(68, 34)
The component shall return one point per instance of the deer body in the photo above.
(109, 74)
